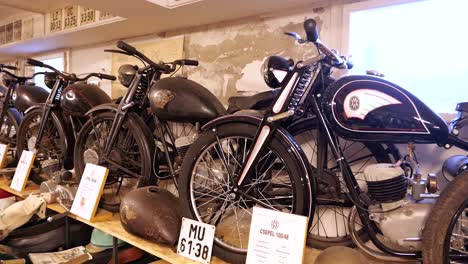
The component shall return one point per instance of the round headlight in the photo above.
(50, 78)
(126, 74)
(275, 69)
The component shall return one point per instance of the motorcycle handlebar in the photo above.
(186, 62)
(3, 66)
(35, 62)
(126, 47)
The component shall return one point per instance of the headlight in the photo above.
(126, 74)
(50, 78)
(275, 69)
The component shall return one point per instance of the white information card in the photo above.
(276, 237)
(22, 170)
(196, 240)
(89, 191)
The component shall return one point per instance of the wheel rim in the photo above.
(8, 136)
(49, 154)
(125, 154)
(456, 241)
(215, 201)
(330, 222)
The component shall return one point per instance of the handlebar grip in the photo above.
(126, 47)
(35, 62)
(10, 67)
(107, 76)
(186, 62)
(310, 27)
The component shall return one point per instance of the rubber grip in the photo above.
(107, 77)
(124, 46)
(10, 67)
(35, 62)
(187, 62)
(310, 27)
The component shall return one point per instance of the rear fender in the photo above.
(308, 180)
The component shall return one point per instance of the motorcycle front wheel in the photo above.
(50, 154)
(129, 162)
(207, 194)
(445, 234)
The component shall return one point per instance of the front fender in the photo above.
(103, 107)
(33, 107)
(307, 178)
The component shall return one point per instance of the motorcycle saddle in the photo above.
(257, 101)
(462, 107)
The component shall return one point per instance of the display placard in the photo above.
(89, 191)
(55, 20)
(17, 29)
(88, 15)
(2, 35)
(22, 170)
(9, 33)
(71, 17)
(276, 237)
(196, 240)
(3, 153)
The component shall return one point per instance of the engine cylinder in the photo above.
(386, 183)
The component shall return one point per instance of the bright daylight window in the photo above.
(56, 61)
(420, 46)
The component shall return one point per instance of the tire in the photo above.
(8, 133)
(51, 153)
(133, 147)
(329, 226)
(452, 204)
(272, 184)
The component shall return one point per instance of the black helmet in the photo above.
(127, 73)
(50, 78)
(275, 69)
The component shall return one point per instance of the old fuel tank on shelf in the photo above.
(26, 96)
(79, 98)
(152, 213)
(368, 108)
(182, 100)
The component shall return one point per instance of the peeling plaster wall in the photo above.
(231, 55)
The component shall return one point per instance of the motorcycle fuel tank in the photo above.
(26, 96)
(79, 98)
(182, 100)
(367, 108)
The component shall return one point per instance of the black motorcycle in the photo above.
(15, 99)
(241, 161)
(51, 128)
(144, 137)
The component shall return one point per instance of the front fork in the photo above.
(44, 118)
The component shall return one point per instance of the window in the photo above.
(421, 46)
(56, 61)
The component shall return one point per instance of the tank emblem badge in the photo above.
(70, 96)
(162, 97)
(354, 103)
(359, 103)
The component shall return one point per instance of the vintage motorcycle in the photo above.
(144, 137)
(244, 160)
(51, 128)
(15, 99)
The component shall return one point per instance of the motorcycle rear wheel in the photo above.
(207, 195)
(132, 151)
(330, 222)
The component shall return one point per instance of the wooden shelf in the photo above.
(112, 227)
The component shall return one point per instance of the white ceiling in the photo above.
(143, 18)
